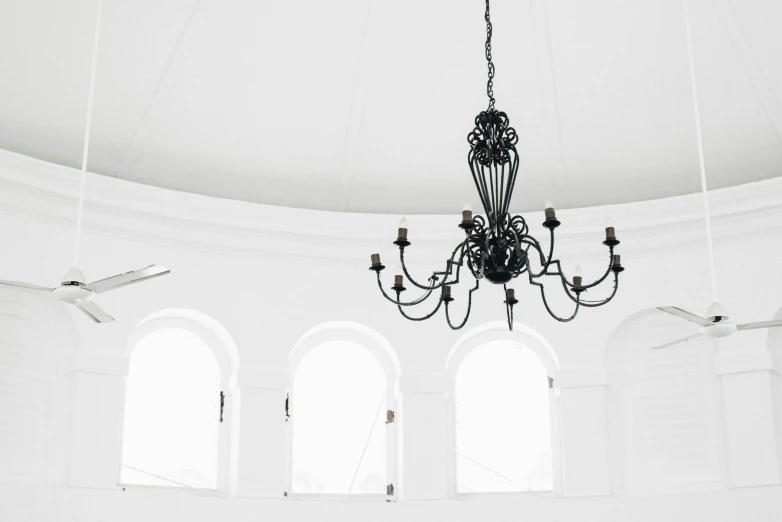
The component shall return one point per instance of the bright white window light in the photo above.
(171, 412)
(338, 398)
(502, 421)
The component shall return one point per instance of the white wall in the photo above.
(268, 275)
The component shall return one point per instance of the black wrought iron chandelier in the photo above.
(497, 248)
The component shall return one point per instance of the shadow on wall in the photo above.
(664, 422)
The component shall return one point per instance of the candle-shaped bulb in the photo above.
(399, 279)
(402, 233)
(577, 276)
(376, 249)
(610, 233)
(466, 212)
(577, 273)
(549, 210)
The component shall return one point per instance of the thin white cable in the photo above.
(704, 190)
(208, 492)
(366, 445)
(88, 125)
(487, 468)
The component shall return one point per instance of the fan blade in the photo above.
(677, 341)
(29, 286)
(761, 324)
(684, 314)
(94, 312)
(128, 278)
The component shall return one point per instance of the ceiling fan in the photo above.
(74, 288)
(716, 323)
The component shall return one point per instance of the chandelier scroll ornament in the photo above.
(497, 248)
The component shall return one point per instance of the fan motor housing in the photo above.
(717, 330)
(73, 292)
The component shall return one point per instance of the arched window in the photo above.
(663, 412)
(172, 409)
(338, 415)
(502, 420)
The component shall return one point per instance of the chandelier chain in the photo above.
(490, 83)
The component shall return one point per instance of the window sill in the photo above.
(546, 494)
(339, 497)
(172, 490)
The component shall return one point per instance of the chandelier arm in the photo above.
(608, 271)
(469, 308)
(397, 301)
(450, 264)
(424, 318)
(595, 283)
(599, 302)
(544, 261)
(548, 309)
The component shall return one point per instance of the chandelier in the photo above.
(497, 247)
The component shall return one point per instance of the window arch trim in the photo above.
(352, 332)
(211, 332)
(498, 331)
(530, 338)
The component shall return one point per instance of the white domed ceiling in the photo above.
(364, 106)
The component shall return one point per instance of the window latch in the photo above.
(389, 417)
(222, 405)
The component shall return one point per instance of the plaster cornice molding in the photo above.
(45, 192)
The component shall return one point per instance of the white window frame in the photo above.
(344, 331)
(225, 352)
(525, 336)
